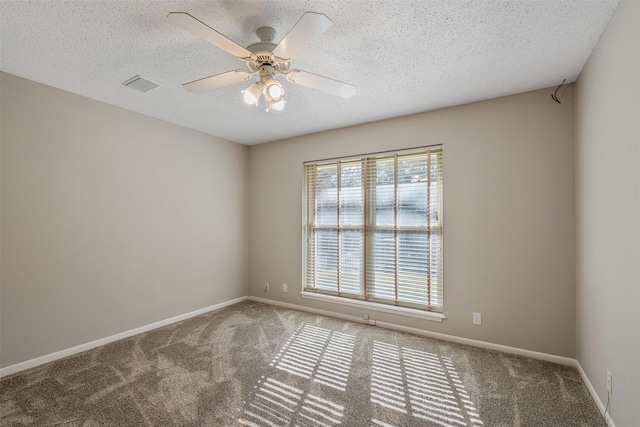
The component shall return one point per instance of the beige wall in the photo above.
(608, 214)
(508, 206)
(110, 220)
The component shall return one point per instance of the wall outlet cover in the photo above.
(477, 319)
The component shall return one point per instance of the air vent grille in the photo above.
(140, 84)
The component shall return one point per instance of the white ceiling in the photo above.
(404, 56)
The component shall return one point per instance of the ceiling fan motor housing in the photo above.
(263, 52)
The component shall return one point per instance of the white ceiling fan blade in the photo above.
(310, 26)
(334, 87)
(217, 81)
(205, 32)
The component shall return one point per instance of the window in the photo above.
(373, 228)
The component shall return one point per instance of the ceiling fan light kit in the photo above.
(265, 59)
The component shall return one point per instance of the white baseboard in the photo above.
(327, 313)
(481, 344)
(452, 338)
(594, 395)
(12, 369)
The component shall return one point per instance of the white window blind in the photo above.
(373, 228)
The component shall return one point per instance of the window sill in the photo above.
(401, 311)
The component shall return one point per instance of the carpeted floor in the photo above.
(260, 365)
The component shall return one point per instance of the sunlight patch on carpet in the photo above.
(319, 354)
(275, 403)
(422, 385)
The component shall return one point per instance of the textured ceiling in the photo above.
(404, 56)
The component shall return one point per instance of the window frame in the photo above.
(364, 299)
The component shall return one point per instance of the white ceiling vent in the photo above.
(140, 84)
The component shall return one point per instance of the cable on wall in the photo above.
(554, 95)
(606, 409)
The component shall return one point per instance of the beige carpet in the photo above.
(259, 365)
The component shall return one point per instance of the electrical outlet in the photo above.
(609, 383)
(477, 319)
(284, 287)
(266, 286)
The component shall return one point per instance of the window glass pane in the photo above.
(381, 266)
(412, 267)
(412, 191)
(326, 260)
(327, 195)
(436, 272)
(384, 192)
(351, 261)
(436, 187)
(351, 212)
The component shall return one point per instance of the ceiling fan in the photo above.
(265, 59)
